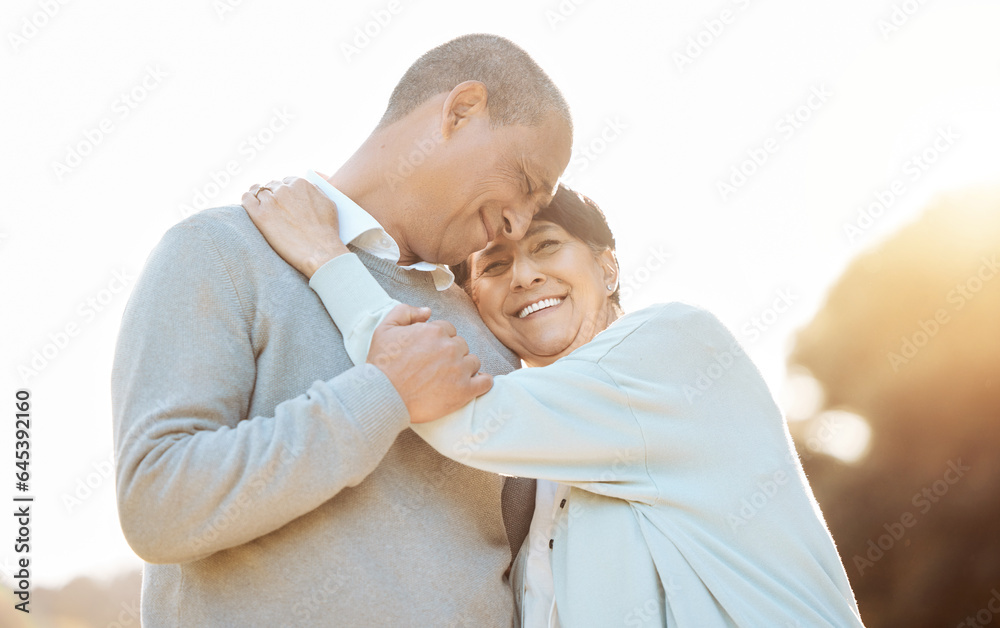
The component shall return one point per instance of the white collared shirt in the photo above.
(360, 228)
(539, 590)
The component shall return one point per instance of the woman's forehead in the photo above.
(502, 243)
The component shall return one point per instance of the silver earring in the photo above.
(611, 288)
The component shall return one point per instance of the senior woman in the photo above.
(669, 491)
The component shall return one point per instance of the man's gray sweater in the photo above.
(268, 482)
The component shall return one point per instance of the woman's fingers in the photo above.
(250, 202)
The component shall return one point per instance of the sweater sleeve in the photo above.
(355, 301)
(195, 473)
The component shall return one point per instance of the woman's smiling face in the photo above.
(544, 295)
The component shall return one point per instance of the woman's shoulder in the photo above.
(671, 343)
(676, 311)
(674, 331)
(669, 319)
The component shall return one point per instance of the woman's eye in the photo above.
(493, 268)
(545, 244)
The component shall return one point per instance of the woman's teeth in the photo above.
(541, 305)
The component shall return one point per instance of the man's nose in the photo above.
(516, 221)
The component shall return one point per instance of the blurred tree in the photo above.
(909, 338)
(81, 603)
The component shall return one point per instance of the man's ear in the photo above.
(465, 101)
(610, 265)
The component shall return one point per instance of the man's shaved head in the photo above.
(519, 91)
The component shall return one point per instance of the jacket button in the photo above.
(551, 541)
(562, 504)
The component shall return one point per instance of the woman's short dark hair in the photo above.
(580, 217)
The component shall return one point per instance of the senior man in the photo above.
(264, 479)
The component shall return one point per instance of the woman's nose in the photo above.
(525, 274)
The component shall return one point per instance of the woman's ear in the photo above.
(610, 266)
(466, 100)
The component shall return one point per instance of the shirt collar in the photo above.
(360, 228)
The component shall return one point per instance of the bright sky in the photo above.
(140, 104)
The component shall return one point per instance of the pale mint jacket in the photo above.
(688, 505)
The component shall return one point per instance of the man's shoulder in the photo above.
(229, 222)
(221, 242)
(225, 231)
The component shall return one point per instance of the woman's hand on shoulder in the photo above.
(298, 220)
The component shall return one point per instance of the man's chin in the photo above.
(457, 257)
(437, 256)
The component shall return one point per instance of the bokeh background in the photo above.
(824, 177)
